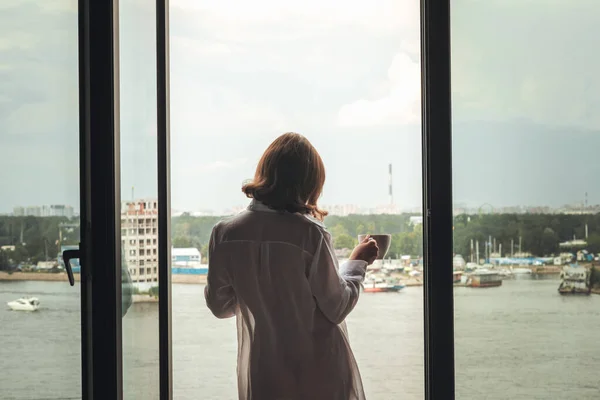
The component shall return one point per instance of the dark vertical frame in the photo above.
(437, 199)
(100, 200)
(164, 199)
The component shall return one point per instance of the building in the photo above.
(33, 211)
(186, 258)
(53, 210)
(187, 261)
(139, 236)
(573, 244)
(57, 210)
(391, 209)
(342, 210)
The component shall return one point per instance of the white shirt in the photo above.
(277, 273)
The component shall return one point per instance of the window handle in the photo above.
(68, 255)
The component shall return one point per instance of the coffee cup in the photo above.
(383, 243)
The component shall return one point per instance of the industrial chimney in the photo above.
(390, 185)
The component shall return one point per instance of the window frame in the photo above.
(100, 218)
(164, 200)
(436, 109)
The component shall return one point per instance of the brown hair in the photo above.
(290, 176)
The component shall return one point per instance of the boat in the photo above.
(457, 276)
(521, 271)
(505, 273)
(25, 304)
(380, 285)
(575, 280)
(484, 278)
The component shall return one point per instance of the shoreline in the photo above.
(37, 276)
(62, 277)
(175, 278)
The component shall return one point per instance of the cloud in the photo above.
(203, 110)
(274, 66)
(513, 60)
(51, 6)
(305, 18)
(220, 165)
(198, 48)
(401, 104)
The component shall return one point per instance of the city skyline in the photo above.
(62, 210)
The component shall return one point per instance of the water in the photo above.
(519, 341)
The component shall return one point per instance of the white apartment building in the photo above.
(342, 210)
(139, 235)
(53, 210)
(387, 209)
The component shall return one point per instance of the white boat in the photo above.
(377, 285)
(25, 304)
(505, 273)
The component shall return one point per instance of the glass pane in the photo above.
(526, 225)
(139, 206)
(40, 331)
(347, 76)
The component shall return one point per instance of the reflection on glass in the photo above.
(139, 206)
(40, 330)
(526, 223)
(348, 78)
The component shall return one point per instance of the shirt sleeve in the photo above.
(218, 292)
(335, 288)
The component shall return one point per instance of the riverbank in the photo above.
(175, 278)
(36, 276)
(411, 282)
(62, 276)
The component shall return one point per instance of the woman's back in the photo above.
(273, 270)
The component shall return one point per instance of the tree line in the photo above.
(539, 234)
(34, 238)
(37, 238)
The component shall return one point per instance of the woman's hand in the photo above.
(366, 250)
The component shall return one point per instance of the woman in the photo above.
(273, 267)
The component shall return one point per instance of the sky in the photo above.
(344, 74)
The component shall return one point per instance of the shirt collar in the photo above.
(259, 206)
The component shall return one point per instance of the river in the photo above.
(518, 341)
